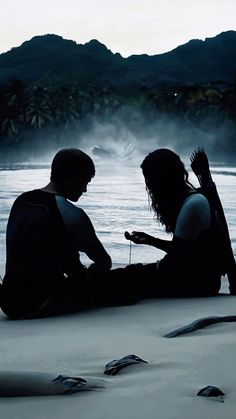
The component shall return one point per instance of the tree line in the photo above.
(28, 112)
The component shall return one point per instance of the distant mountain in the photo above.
(50, 58)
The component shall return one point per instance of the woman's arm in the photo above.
(140, 237)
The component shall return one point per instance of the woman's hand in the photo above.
(139, 237)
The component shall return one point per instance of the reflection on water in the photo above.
(116, 201)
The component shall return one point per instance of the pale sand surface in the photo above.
(81, 344)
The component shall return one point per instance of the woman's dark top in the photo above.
(193, 265)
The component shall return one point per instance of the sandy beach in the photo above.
(82, 344)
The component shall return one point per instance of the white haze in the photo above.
(130, 127)
(129, 130)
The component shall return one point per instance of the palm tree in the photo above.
(12, 108)
(39, 112)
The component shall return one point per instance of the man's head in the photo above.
(71, 171)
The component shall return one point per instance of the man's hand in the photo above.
(138, 237)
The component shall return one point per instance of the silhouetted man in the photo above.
(45, 233)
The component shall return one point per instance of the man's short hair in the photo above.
(70, 161)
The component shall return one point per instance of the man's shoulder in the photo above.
(27, 194)
(66, 206)
(35, 198)
(35, 195)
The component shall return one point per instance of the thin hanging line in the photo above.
(130, 251)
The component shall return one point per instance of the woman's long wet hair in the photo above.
(167, 184)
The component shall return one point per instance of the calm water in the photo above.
(116, 201)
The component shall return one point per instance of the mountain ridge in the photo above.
(46, 57)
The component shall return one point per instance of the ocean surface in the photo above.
(116, 201)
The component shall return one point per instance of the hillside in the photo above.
(49, 58)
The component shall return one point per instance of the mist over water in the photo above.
(125, 130)
(116, 201)
(146, 134)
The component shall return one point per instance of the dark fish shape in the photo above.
(199, 324)
(212, 391)
(113, 367)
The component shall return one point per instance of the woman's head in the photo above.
(166, 180)
(163, 168)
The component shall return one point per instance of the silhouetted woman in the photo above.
(192, 264)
